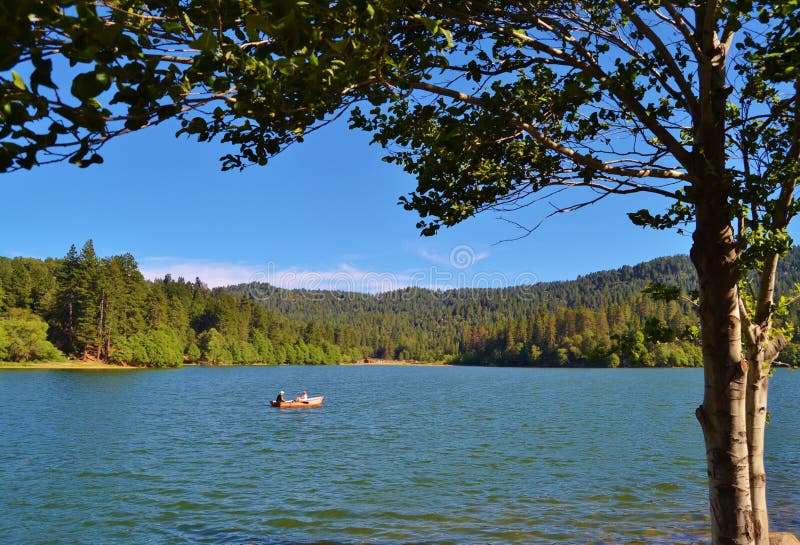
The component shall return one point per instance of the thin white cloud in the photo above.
(344, 277)
(211, 273)
(446, 273)
(461, 256)
(433, 258)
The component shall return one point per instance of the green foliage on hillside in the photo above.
(23, 337)
(601, 319)
(586, 322)
(103, 308)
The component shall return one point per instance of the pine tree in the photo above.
(65, 310)
(90, 302)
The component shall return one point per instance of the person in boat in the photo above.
(280, 398)
(303, 397)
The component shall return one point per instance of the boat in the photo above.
(290, 404)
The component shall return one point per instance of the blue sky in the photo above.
(322, 214)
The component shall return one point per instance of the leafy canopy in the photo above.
(489, 104)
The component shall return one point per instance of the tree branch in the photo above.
(558, 147)
(678, 21)
(749, 330)
(687, 94)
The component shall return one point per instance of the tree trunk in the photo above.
(757, 389)
(761, 352)
(765, 350)
(715, 255)
(101, 327)
(70, 329)
(723, 412)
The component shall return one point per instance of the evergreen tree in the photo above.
(65, 311)
(90, 302)
(123, 292)
(597, 320)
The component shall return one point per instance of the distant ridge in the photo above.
(505, 325)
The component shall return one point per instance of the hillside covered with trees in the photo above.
(86, 307)
(104, 309)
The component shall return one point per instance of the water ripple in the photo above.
(396, 456)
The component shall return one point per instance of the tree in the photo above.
(492, 105)
(23, 337)
(213, 347)
(774, 58)
(66, 305)
(20, 285)
(122, 289)
(90, 302)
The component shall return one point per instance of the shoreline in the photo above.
(341, 364)
(77, 365)
(396, 362)
(100, 366)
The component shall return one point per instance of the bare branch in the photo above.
(557, 210)
(687, 96)
(678, 21)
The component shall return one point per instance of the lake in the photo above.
(446, 455)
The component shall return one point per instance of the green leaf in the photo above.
(90, 84)
(206, 43)
(254, 25)
(432, 25)
(19, 83)
(196, 126)
(448, 36)
(188, 22)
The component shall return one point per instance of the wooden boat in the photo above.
(289, 404)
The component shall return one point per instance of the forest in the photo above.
(85, 307)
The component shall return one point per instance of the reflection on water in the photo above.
(398, 455)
